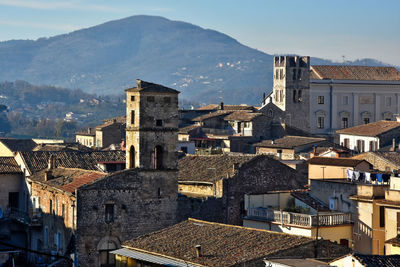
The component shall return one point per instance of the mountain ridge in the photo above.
(204, 64)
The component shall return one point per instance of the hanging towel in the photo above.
(368, 177)
(356, 175)
(373, 177)
(379, 177)
(386, 177)
(349, 174)
(362, 177)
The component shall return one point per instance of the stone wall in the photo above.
(258, 176)
(378, 162)
(143, 202)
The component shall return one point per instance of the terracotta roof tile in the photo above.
(142, 86)
(346, 162)
(189, 128)
(38, 160)
(221, 244)
(18, 144)
(212, 115)
(346, 72)
(289, 142)
(9, 165)
(227, 107)
(378, 260)
(201, 168)
(242, 116)
(67, 179)
(371, 129)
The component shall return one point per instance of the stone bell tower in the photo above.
(291, 91)
(151, 126)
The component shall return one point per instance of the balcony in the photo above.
(300, 219)
(36, 218)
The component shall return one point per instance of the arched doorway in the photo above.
(107, 244)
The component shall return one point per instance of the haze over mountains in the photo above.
(205, 65)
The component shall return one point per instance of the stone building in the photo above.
(383, 161)
(323, 99)
(228, 178)
(142, 198)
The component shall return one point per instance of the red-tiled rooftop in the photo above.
(81, 180)
(9, 165)
(222, 244)
(345, 162)
(371, 129)
(346, 72)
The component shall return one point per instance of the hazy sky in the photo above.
(328, 29)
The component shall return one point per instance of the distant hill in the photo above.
(205, 65)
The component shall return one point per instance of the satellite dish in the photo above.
(1, 213)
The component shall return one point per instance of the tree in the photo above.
(65, 128)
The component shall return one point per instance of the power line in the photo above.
(33, 251)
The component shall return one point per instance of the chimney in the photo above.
(198, 251)
(393, 148)
(51, 163)
(89, 130)
(263, 96)
(221, 106)
(48, 175)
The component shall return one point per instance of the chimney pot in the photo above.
(221, 105)
(198, 251)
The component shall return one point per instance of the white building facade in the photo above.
(323, 99)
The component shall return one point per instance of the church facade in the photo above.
(322, 99)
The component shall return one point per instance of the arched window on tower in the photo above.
(299, 96)
(158, 158)
(131, 157)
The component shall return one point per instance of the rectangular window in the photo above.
(46, 236)
(50, 206)
(294, 75)
(371, 146)
(321, 123)
(345, 123)
(382, 216)
(277, 74)
(63, 210)
(320, 99)
(299, 74)
(246, 124)
(347, 142)
(345, 100)
(150, 99)
(366, 120)
(133, 117)
(132, 98)
(281, 74)
(362, 146)
(159, 123)
(109, 213)
(167, 100)
(388, 101)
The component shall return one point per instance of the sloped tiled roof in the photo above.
(371, 129)
(394, 241)
(142, 86)
(62, 147)
(212, 115)
(227, 107)
(9, 165)
(206, 168)
(189, 128)
(289, 141)
(68, 179)
(346, 72)
(242, 116)
(38, 160)
(18, 144)
(109, 123)
(345, 162)
(221, 244)
(378, 260)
